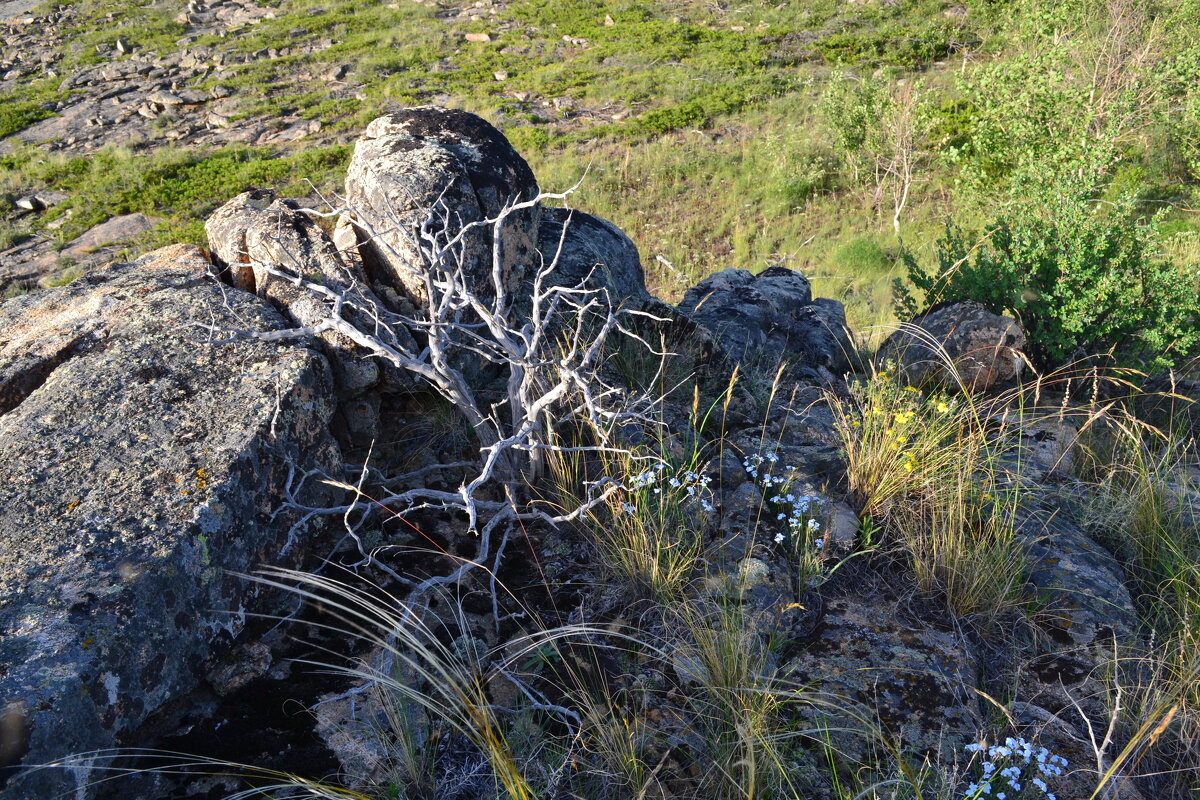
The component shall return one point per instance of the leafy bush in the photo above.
(19, 115)
(852, 106)
(1081, 277)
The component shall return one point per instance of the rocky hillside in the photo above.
(714, 134)
(559, 538)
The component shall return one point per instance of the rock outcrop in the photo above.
(592, 252)
(452, 169)
(770, 318)
(959, 343)
(144, 466)
(147, 452)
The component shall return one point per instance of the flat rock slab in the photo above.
(918, 680)
(12, 9)
(141, 466)
(117, 229)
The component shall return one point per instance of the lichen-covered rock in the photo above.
(1087, 603)
(984, 348)
(143, 467)
(1047, 447)
(456, 164)
(770, 318)
(918, 678)
(1087, 622)
(594, 253)
(256, 232)
(1087, 616)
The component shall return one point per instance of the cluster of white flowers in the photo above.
(1026, 766)
(693, 484)
(798, 509)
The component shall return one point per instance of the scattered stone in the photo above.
(337, 73)
(164, 98)
(123, 46)
(191, 97)
(216, 119)
(478, 37)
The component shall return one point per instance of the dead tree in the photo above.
(549, 345)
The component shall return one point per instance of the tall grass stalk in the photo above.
(423, 672)
(1143, 506)
(925, 464)
(736, 706)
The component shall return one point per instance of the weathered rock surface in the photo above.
(255, 233)
(919, 679)
(456, 166)
(142, 468)
(770, 318)
(259, 239)
(984, 348)
(593, 253)
(117, 229)
(1088, 621)
(142, 464)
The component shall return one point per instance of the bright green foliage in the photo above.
(1082, 278)
(182, 185)
(18, 115)
(853, 107)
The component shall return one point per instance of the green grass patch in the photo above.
(183, 186)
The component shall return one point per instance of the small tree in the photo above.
(882, 132)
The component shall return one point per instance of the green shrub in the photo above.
(852, 107)
(1083, 278)
(860, 255)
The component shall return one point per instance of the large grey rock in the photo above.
(917, 678)
(255, 233)
(142, 467)
(771, 318)
(984, 348)
(1087, 620)
(456, 164)
(593, 252)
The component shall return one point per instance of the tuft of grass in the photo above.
(736, 704)
(427, 678)
(1142, 505)
(648, 531)
(926, 467)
